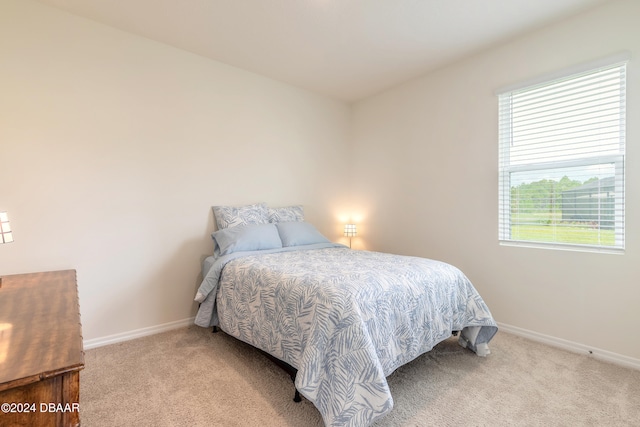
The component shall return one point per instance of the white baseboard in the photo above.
(574, 347)
(137, 333)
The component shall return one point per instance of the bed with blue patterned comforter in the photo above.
(345, 319)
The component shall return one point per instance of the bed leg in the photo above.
(214, 330)
(296, 395)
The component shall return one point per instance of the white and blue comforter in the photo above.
(344, 319)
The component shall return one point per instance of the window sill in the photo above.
(563, 247)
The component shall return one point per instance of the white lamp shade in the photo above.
(350, 230)
(6, 236)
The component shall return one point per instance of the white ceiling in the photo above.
(346, 49)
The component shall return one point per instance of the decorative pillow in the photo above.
(251, 237)
(288, 213)
(296, 233)
(232, 216)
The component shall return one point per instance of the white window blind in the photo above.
(561, 159)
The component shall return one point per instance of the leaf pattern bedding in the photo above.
(344, 319)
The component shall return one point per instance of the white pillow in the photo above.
(285, 214)
(232, 216)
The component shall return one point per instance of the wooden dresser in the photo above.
(41, 352)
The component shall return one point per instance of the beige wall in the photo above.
(113, 148)
(425, 182)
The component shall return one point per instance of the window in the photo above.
(561, 160)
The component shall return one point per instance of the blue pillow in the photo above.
(250, 237)
(296, 233)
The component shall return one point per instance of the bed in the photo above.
(343, 319)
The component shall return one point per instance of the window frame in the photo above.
(506, 169)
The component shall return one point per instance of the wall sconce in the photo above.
(5, 229)
(350, 230)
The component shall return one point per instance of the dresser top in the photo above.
(40, 330)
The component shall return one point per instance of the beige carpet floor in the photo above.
(191, 377)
